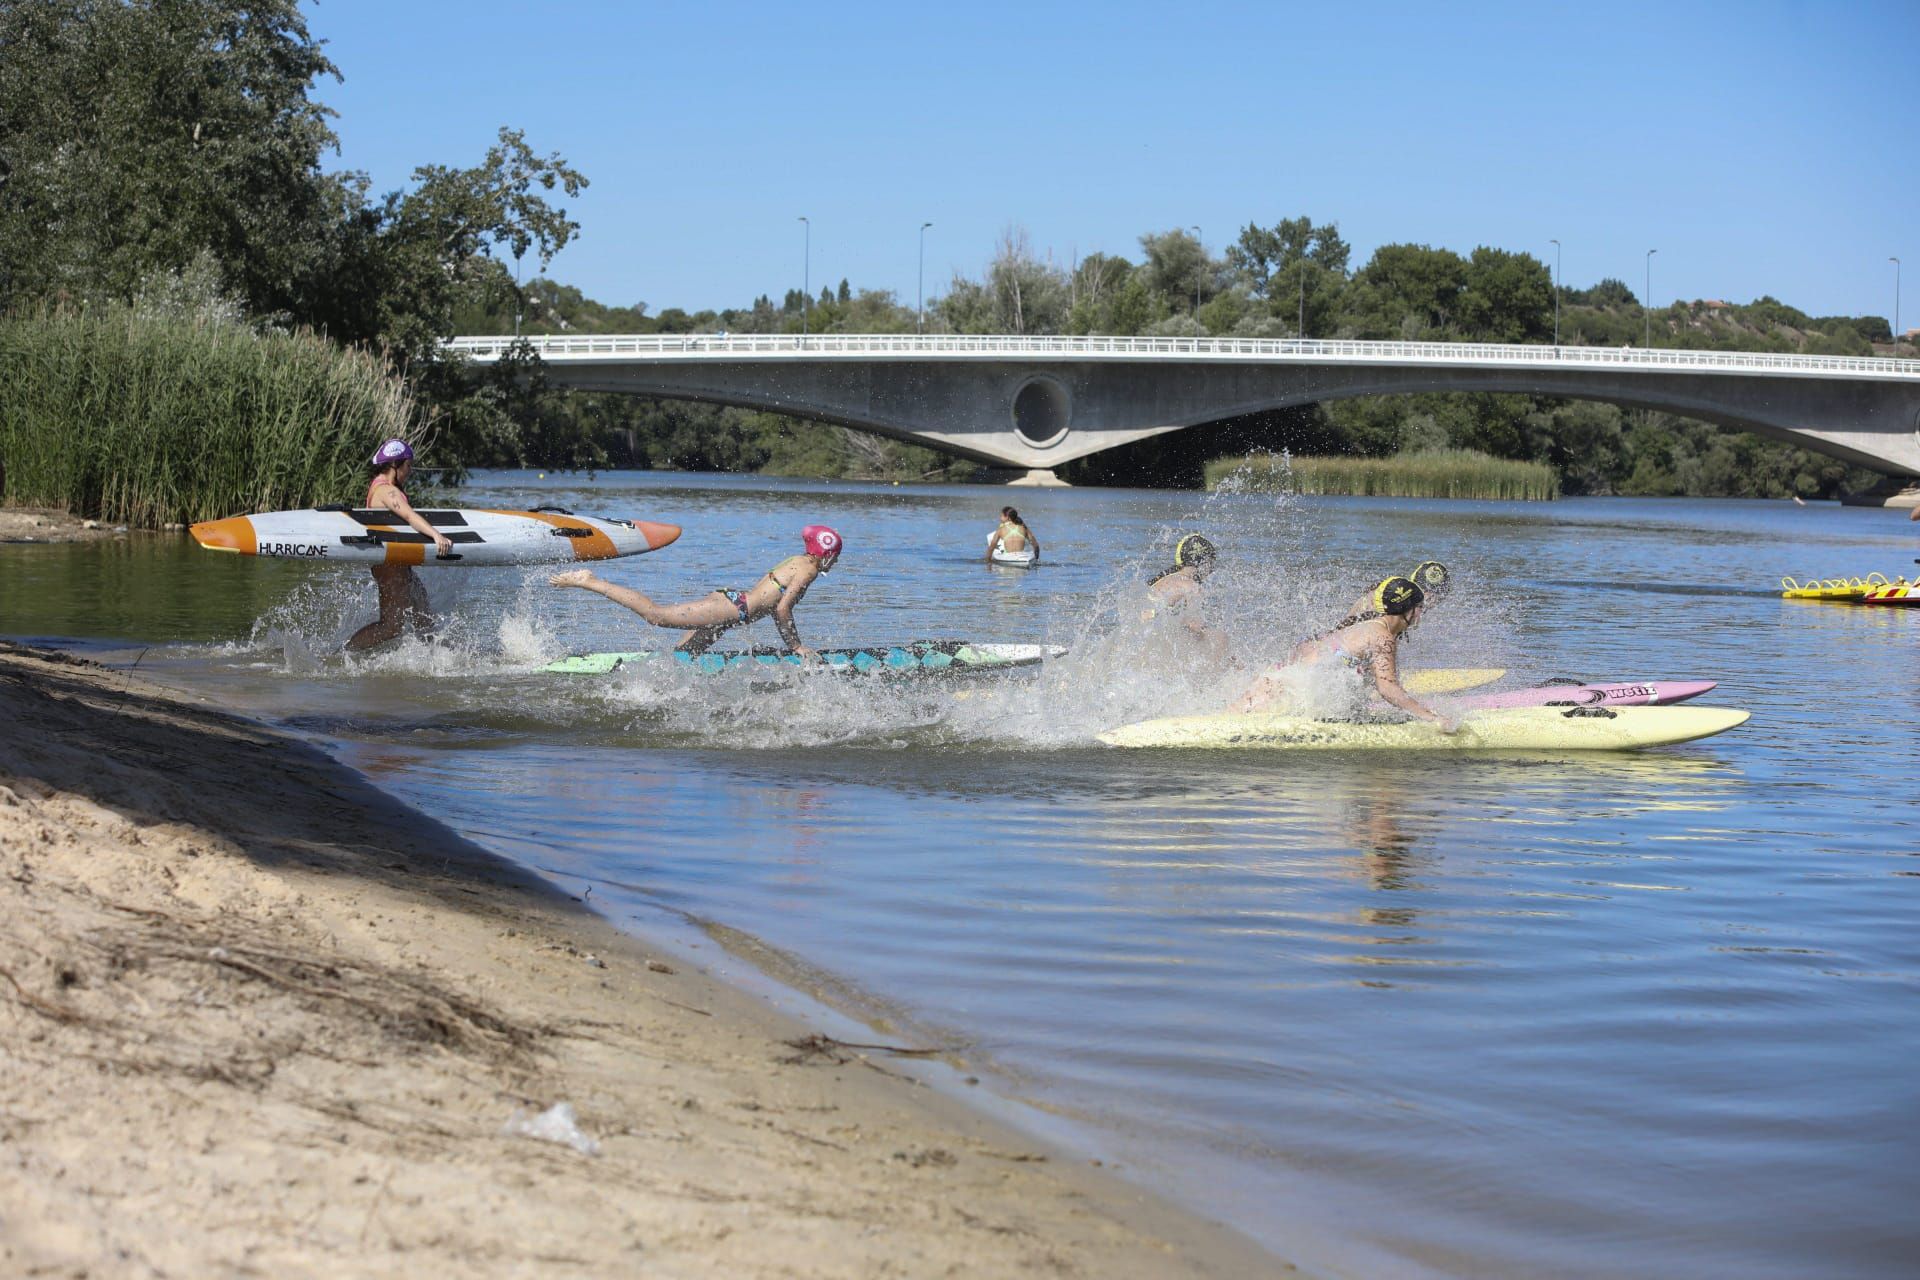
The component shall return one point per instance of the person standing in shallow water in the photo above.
(777, 592)
(1012, 535)
(403, 597)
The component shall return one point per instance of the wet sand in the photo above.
(256, 1017)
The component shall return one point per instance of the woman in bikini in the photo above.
(776, 593)
(1368, 645)
(403, 598)
(1012, 535)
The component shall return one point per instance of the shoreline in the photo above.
(46, 525)
(263, 1016)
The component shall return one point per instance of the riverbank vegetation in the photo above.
(145, 417)
(1433, 473)
(116, 188)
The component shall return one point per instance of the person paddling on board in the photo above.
(1368, 645)
(403, 597)
(776, 593)
(1429, 575)
(1176, 590)
(1012, 536)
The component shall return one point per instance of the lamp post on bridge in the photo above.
(1646, 304)
(920, 289)
(806, 274)
(1896, 303)
(1556, 293)
(1199, 274)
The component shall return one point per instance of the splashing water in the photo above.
(1279, 579)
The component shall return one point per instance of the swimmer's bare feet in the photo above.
(572, 578)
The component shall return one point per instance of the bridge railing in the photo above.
(869, 346)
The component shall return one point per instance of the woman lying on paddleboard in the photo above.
(1368, 645)
(1012, 536)
(403, 597)
(776, 593)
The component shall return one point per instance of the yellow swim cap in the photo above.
(1432, 577)
(1193, 549)
(1395, 596)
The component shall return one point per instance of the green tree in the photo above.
(1407, 291)
(1177, 269)
(1261, 252)
(1506, 297)
(136, 136)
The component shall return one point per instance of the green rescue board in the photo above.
(920, 657)
(1505, 729)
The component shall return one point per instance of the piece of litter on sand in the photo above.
(555, 1124)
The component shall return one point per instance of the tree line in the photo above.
(172, 155)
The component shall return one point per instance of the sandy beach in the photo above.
(261, 1019)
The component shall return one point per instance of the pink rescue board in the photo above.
(1649, 693)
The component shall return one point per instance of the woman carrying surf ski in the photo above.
(1367, 646)
(403, 597)
(776, 592)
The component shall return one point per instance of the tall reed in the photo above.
(1438, 473)
(146, 419)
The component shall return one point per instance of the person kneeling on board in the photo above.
(776, 593)
(403, 597)
(1367, 645)
(1012, 537)
(1176, 590)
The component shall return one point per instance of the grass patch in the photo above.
(145, 419)
(1438, 473)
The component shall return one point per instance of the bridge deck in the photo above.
(971, 347)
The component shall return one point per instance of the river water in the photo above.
(1611, 1015)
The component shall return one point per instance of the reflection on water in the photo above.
(1613, 1015)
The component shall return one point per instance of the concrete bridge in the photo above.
(1036, 402)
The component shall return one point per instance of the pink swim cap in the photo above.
(821, 541)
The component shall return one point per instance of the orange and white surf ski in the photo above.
(358, 535)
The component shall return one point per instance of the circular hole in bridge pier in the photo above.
(1042, 411)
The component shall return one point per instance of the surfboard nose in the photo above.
(657, 535)
(235, 533)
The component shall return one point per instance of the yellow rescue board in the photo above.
(1835, 588)
(1505, 729)
(1448, 679)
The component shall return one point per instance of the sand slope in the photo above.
(256, 1018)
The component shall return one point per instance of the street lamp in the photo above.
(1896, 303)
(806, 273)
(1301, 328)
(920, 290)
(1199, 274)
(1556, 293)
(1646, 303)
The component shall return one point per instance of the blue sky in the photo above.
(1760, 147)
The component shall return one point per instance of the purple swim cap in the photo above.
(391, 452)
